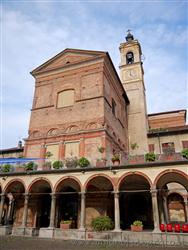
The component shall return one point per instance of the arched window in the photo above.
(65, 98)
(130, 57)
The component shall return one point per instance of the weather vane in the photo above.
(128, 31)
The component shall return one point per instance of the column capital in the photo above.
(26, 195)
(3, 195)
(82, 193)
(154, 191)
(53, 195)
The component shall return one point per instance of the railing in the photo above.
(130, 160)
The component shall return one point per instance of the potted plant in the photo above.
(137, 226)
(149, 157)
(169, 152)
(30, 166)
(65, 224)
(57, 164)
(116, 159)
(47, 165)
(101, 162)
(48, 154)
(102, 223)
(6, 168)
(71, 162)
(184, 153)
(133, 158)
(83, 162)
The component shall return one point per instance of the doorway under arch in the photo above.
(39, 204)
(135, 202)
(68, 202)
(99, 199)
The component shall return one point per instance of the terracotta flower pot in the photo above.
(116, 162)
(136, 228)
(65, 225)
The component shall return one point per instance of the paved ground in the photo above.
(26, 243)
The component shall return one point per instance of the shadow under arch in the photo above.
(167, 183)
(68, 201)
(14, 202)
(99, 198)
(39, 203)
(135, 201)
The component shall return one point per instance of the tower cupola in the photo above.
(129, 36)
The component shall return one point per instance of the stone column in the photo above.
(165, 209)
(1, 206)
(116, 212)
(186, 208)
(82, 215)
(52, 210)
(25, 211)
(10, 205)
(155, 210)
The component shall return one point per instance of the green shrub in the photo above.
(6, 168)
(57, 164)
(83, 162)
(102, 223)
(115, 157)
(31, 166)
(184, 153)
(150, 156)
(137, 223)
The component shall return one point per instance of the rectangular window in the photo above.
(65, 98)
(185, 144)
(52, 152)
(151, 147)
(168, 147)
(113, 107)
(71, 149)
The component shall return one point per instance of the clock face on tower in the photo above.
(129, 74)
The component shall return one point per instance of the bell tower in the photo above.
(132, 78)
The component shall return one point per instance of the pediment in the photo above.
(67, 57)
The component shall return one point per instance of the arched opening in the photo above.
(130, 57)
(135, 201)
(176, 208)
(39, 204)
(99, 199)
(172, 187)
(68, 202)
(14, 204)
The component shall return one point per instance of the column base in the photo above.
(47, 232)
(118, 230)
(156, 230)
(4, 230)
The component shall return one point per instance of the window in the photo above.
(168, 147)
(185, 144)
(71, 149)
(52, 152)
(151, 147)
(65, 98)
(113, 107)
(129, 57)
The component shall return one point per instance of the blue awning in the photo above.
(18, 160)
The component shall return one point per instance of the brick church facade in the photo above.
(80, 106)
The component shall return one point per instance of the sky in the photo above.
(34, 31)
